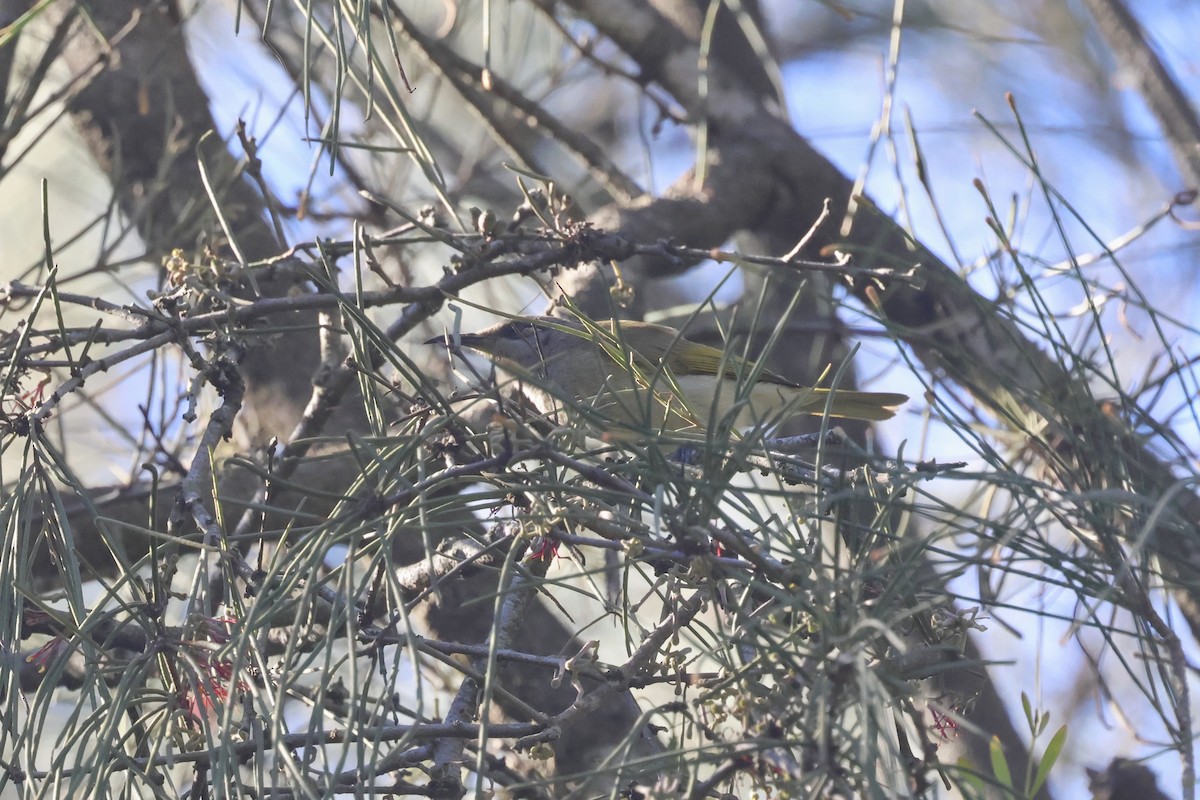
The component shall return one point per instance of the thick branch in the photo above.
(1169, 104)
(146, 120)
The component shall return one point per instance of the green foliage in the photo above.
(424, 591)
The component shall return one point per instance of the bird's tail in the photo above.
(846, 404)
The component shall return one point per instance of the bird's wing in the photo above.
(655, 344)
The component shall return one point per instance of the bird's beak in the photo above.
(471, 340)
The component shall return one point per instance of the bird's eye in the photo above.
(520, 331)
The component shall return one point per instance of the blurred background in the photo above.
(919, 112)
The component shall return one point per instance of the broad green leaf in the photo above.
(1048, 758)
(1028, 707)
(1000, 764)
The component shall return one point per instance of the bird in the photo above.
(650, 377)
